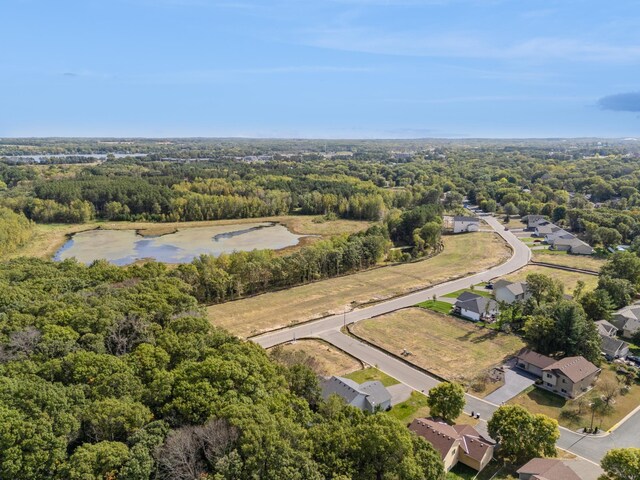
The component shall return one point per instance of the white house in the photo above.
(465, 224)
(510, 292)
(475, 307)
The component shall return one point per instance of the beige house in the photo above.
(455, 443)
(627, 320)
(569, 377)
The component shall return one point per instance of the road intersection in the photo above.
(329, 328)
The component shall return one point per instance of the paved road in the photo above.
(520, 257)
(328, 329)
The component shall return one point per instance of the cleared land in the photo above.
(454, 349)
(568, 279)
(327, 359)
(48, 238)
(576, 413)
(462, 255)
(371, 374)
(587, 262)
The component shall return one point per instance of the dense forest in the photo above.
(111, 372)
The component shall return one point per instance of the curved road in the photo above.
(328, 329)
(520, 257)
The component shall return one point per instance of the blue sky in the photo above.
(320, 68)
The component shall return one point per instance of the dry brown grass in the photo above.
(462, 255)
(454, 349)
(49, 238)
(327, 359)
(568, 279)
(587, 262)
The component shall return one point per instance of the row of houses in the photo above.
(557, 238)
(476, 308)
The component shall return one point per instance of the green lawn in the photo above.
(436, 306)
(370, 374)
(479, 289)
(415, 407)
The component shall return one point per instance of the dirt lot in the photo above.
(328, 360)
(49, 238)
(568, 279)
(575, 261)
(455, 349)
(463, 254)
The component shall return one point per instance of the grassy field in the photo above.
(370, 374)
(454, 349)
(328, 360)
(416, 407)
(587, 262)
(462, 255)
(537, 400)
(436, 306)
(568, 279)
(478, 289)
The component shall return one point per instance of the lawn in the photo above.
(478, 289)
(586, 262)
(436, 306)
(537, 400)
(568, 279)
(48, 238)
(370, 374)
(327, 359)
(462, 255)
(493, 471)
(416, 407)
(454, 349)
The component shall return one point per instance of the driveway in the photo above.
(399, 393)
(515, 381)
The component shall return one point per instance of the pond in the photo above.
(122, 247)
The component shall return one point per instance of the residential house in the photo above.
(534, 220)
(544, 229)
(368, 396)
(558, 234)
(465, 224)
(533, 362)
(569, 377)
(547, 469)
(475, 307)
(627, 320)
(572, 245)
(510, 292)
(612, 347)
(455, 443)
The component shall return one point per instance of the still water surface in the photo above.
(122, 247)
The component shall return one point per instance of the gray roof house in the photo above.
(367, 396)
(510, 292)
(614, 347)
(475, 307)
(558, 234)
(606, 328)
(573, 245)
(627, 320)
(544, 229)
(534, 220)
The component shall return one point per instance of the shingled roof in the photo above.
(575, 369)
(548, 469)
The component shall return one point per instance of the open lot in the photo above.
(371, 374)
(462, 255)
(327, 359)
(587, 262)
(576, 413)
(48, 238)
(568, 279)
(454, 349)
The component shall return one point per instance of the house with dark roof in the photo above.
(510, 292)
(534, 220)
(532, 362)
(367, 396)
(475, 307)
(465, 224)
(547, 469)
(627, 320)
(455, 443)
